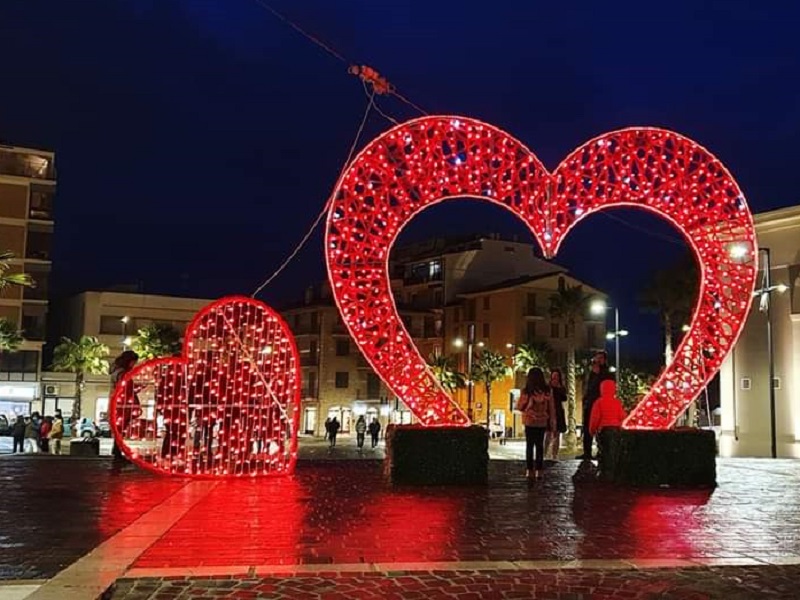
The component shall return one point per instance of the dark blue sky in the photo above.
(197, 139)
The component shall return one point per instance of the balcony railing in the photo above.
(309, 359)
(22, 164)
(534, 311)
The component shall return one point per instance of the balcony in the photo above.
(41, 207)
(421, 278)
(305, 329)
(26, 164)
(534, 312)
(309, 359)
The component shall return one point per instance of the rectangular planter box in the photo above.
(676, 457)
(417, 455)
(89, 448)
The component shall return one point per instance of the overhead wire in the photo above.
(309, 233)
(644, 230)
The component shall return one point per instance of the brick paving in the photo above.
(344, 512)
(731, 583)
(55, 510)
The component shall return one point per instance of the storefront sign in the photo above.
(17, 392)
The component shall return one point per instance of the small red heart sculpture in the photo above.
(228, 407)
(426, 161)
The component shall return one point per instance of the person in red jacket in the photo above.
(607, 410)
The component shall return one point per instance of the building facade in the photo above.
(744, 377)
(114, 318)
(27, 190)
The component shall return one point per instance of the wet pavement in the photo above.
(341, 515)
(731, 583)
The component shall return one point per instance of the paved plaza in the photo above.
(337, 529)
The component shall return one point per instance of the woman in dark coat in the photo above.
(552, 439)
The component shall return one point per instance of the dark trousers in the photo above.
(534, 436)
(44, 444)
(18, 443)
(360, 439)
(374, 439)
(332, 438)
(587, 437)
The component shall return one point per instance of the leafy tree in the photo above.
(157, 340)
(630, 387)
(6, 278)
(532, 354)
(10, 336)
(489, 368)
(569, 306)
(446, 372)
(87, 356)
(671, 294)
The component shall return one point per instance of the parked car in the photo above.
(87, 429)
(103, 428)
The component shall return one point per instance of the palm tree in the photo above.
(445, 370)
(157, 340)
(671, 294)
(87, 356)
(10, 336)
(568, 306)
(532, 354)
(490, 367)
(7, 278)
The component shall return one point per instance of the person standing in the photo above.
(334, 429)
(598, 373)
(552, 439)
(19, 434)
(361, 431)
(374, 431)
(57, 432)
(31, 442)
(328, 427)
(122, 364)
(44, 434)
(538, 414)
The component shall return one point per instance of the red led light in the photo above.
(425, 161)
(228, 407)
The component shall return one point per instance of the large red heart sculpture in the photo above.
(228, 407)
(425, 161)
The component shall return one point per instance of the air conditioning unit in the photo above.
(51, 390)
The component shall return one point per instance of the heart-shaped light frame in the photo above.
(230, 404)
(425, 161)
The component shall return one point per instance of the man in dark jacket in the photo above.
(18, 432)
(598, 373)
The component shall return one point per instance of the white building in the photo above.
(745, 404)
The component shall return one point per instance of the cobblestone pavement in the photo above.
(731, 583)
(344, 512)
(54, 510)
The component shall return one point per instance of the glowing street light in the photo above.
(599, 307)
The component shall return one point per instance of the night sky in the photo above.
(197, 140)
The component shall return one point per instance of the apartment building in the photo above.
(336, 380)
(114, 318)
(27, 189)
(744, 377)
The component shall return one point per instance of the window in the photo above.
(487, 301)
(531, 305)
(373, 386)
(486, 330)
(22, 365)
(554, 330)
(342, 379)
(562, 284)
(312, 384)
(745, 383)
(531, 331)
(113, 325)
(437, 297)
(471, 309)
(591, 336)
(343, 348)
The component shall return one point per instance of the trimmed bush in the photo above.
(683, 457)
(89, 447)
(417, 455)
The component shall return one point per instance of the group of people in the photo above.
(542, 406)
(332, 427)
(36, 434)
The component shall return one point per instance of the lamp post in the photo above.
(459, 343)
(599, 307)
(764, 296)
(125, 320)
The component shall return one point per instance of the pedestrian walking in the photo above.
(552, 439)
(31, 441)
(122, 364)
(333, 430)
(44, 434)
(328, 422)
(374, 431)
(538, 414)
(361, 431)
(18, 431)
(57, 433)
(597, 374)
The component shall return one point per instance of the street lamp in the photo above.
(125, 340)
(599, 307)
(763, 294)
(459, 343)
